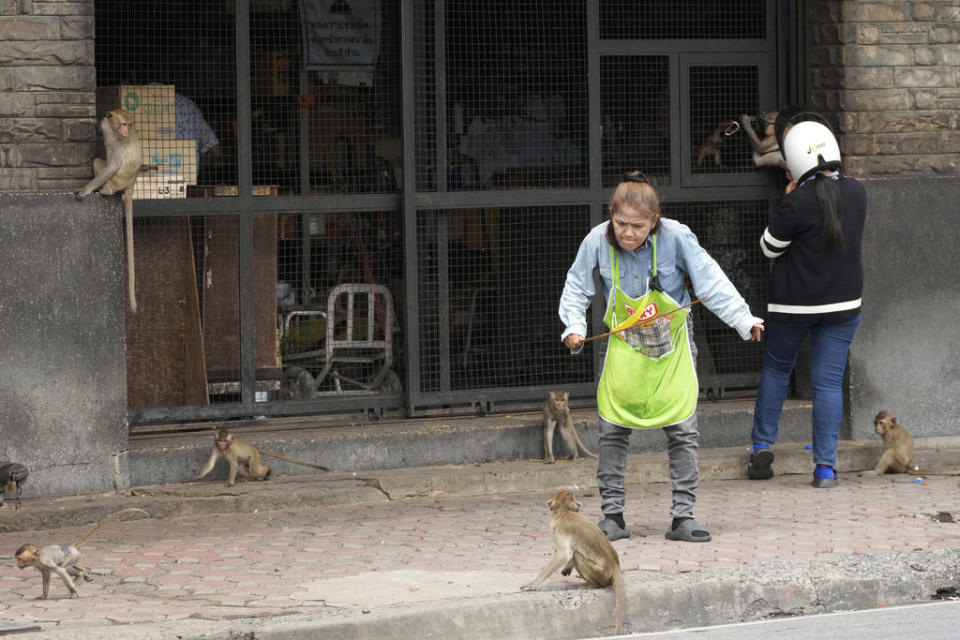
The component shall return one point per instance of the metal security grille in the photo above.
(683, 19)
(183, 345)
(729, 231)
(430, 76)
(325, 122)
(489, 285)
(372, 205)
(636, 118)
(172, 64)
(719, 97)
(515, 110)
(338, 345)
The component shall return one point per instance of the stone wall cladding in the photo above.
(47, 94)
(888, 75)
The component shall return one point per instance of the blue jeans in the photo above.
(830, 344)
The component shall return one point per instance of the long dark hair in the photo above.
(831, 207)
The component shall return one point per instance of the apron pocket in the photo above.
(653, 340)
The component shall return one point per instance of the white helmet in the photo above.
(809, 147)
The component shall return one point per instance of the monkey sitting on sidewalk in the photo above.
(580, 544)
(897, 443)
(898, 449)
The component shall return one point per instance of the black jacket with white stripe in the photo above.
(808, 280)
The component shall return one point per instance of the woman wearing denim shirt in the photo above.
(649, 373)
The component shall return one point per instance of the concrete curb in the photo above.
(164, 458)
(654, 603)
(696, 599)
(322, 489)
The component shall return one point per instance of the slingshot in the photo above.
(629, 322)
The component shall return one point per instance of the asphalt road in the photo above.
(933, 621)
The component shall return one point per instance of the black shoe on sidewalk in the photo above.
(759, 467)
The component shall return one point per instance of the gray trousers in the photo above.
(683, 445)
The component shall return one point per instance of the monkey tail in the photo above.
(918, 471)
(620, 593)
(585, 451)
(131, 275)
(112, 516)
(264, 452)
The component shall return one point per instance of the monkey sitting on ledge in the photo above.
(556, 415)
(898, 449)
(118, 174)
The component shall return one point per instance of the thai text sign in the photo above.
(340, 34)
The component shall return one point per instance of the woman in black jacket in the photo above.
(814, 240)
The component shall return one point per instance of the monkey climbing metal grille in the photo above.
(172, 64)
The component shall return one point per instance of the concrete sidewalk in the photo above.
(441, 552)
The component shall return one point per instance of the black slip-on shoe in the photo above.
(760, 467)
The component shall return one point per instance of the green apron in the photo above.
(648, 377)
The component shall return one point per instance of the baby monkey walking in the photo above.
(556, 414)
(580, 544)
(62, 558)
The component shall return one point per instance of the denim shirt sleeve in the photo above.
(709, 280)
(580, 288)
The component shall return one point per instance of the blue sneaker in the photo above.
(824, 477)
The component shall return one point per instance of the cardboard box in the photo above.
(172, 157)
(150, 187)
(154, 108)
